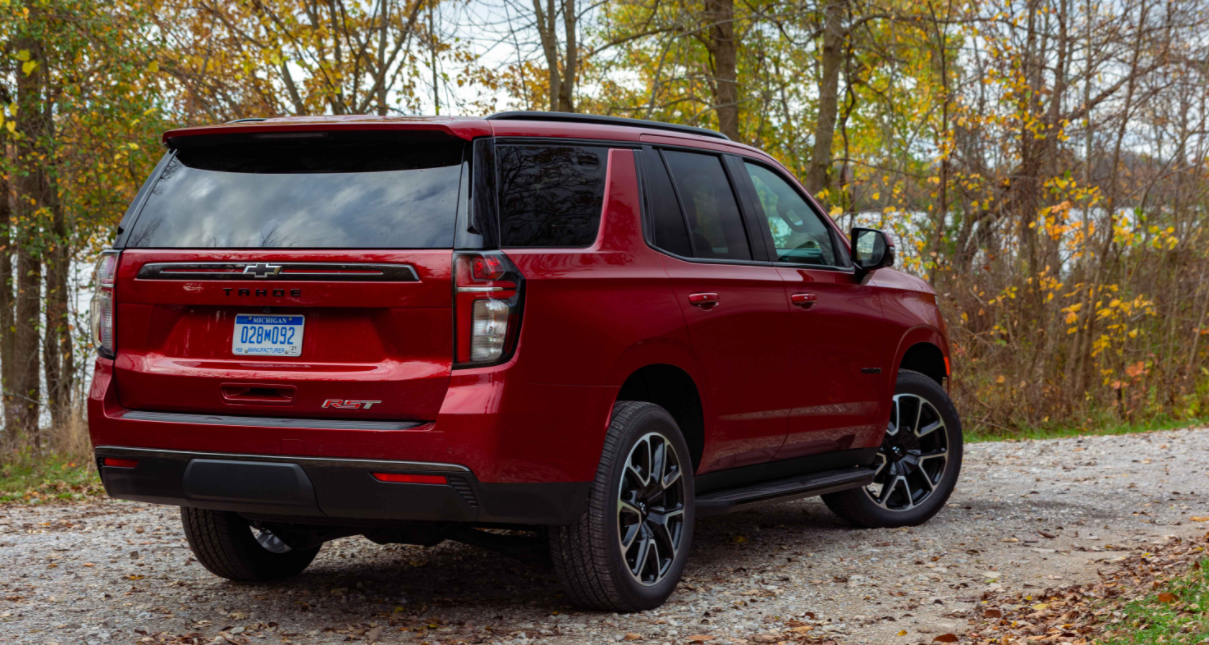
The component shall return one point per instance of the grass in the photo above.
(1174, 614)
(29, 479)
(1108, 427)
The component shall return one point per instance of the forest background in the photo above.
(1041, 162)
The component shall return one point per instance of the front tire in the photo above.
(627, 552)
(225, 544)
(918, 463)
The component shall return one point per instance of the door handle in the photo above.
(804, 300)
(704, 300)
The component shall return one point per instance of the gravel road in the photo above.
(1026, 515)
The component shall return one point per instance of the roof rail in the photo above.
(571, 117)
(247, 120)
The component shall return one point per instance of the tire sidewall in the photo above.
(650, 418)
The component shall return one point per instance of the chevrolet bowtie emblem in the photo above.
(262, 270)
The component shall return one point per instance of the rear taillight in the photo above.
(488, 292)
(103, 303)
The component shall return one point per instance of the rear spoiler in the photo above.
(362, 128)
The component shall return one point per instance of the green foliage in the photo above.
(28, 478)
(1174, 614)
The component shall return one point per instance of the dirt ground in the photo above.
(1026, 515)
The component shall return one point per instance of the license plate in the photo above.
(268, 335)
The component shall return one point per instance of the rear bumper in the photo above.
(331, 490)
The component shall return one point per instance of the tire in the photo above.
(590, 556)
(909, 502)
(224, 543)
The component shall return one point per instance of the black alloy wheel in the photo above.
(913, 455)
(917, 464)
(650, 509)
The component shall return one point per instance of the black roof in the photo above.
(571, 117)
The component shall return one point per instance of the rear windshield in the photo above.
(393, 195)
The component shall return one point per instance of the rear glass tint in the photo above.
(328, 196)
(550, 195)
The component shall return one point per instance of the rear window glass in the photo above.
(330, 196)
(550, 195)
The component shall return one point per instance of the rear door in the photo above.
(292, 278)
(734, 305)
(837, 336)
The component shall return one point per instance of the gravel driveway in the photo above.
(1026, 515)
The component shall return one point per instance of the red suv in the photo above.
(586, 331)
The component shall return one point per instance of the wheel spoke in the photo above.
(919, 413)
(653, 561)
(662, 529)
(908, 493)
(624, 506)
(658, 461)
(895, 419)
(881, 466)
(644, 548)
(929, 429)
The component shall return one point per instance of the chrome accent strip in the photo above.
(267, 422)
(307, 461)
(316, 271)
(479, 289)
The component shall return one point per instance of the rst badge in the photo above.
(349, 404)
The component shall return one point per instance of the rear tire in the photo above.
(224, 543)
(627, 552)
(920, 460)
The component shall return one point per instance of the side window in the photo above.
(669, 231)
(797, 232)
(710, 208)
(550, 195)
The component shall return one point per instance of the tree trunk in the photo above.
(31, 193)
(549, 38)
(566, 92)
(817, 178)
(56, 342)
(720, 15)
(7, 336)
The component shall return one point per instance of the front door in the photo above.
(836, 346)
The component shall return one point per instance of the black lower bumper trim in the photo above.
(332, 489)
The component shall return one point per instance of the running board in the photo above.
(782, 490)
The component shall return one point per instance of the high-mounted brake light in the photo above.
(487, 307)
(102, 308)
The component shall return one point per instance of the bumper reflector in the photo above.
(398, 478)
(113, 462)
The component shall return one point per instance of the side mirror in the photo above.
(871, 250)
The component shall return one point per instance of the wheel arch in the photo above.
(674, 389)
(924, 350)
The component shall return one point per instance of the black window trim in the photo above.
(766, 233)
(648, 222)
(136, 211)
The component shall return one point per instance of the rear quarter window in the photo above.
(394, 195)
(550, 195)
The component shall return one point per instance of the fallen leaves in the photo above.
(945, 638)
(1085, 613)
(632, 637)
(1195, 518)
(700, 638)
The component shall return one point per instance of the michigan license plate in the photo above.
(268, 335)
